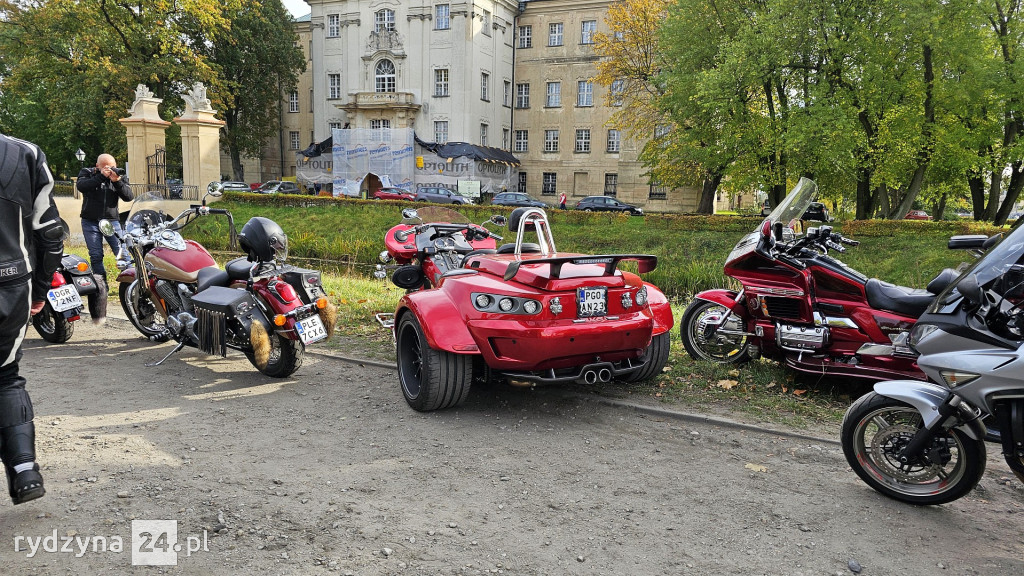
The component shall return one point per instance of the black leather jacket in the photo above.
(31, 236)
(100, 195)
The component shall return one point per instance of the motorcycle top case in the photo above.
(306, 283)
(84, 282)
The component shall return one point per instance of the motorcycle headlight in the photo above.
(920, 332)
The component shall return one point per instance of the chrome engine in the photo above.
(182, 326)
(798, 338)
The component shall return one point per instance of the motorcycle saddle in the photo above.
(898, 299)
(237, 269)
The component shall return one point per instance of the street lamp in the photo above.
(80, 154)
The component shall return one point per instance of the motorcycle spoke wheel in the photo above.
(142, 313)
(875, 431)
(703, 341)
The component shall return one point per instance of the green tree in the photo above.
(259, 62)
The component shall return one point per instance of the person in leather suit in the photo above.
(101, 188)
(31, 245)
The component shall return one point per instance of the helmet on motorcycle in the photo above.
(263, 240)
(517, 215)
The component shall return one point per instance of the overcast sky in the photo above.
(296, 7)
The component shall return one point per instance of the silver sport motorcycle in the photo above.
(924, 442)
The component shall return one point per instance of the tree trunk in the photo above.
(995, 187)
(706, 205)
(1012, 194)
(900, 211)
(939, 208)
(864, 201)
(236, 164)
(976, 184)
(924, 155)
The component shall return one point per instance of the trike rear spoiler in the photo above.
(647, 263)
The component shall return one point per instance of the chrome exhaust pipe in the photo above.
(604, 375)
(590, 377)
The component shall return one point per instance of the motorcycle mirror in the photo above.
(971, 290)
(106, 228)
(410, 213)
(215, 189)
(993, 240)
(499, 220)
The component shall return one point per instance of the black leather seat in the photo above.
(211, 276)
(945, 278)
(899, 299)
(470, 254)
(527, 248)
(238, 269)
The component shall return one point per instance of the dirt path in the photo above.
(330, 472)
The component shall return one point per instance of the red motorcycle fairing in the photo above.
(726, 298)
(404, 251)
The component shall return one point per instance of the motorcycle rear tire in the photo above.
(893, 423)
(430, 379)
(697, 346)
(52, 326)
(285, 357)
(155, 331)
(656, 356)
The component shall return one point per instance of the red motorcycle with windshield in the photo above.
(806, 309)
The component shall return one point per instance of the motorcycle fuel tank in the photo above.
(179, 266)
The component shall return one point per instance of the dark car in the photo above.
(278, 187)
(516, 199)
(817, 211)
(393, 194)
(440, 196)
(606, 204)
(175, 188)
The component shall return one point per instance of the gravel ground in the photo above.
(329, 472)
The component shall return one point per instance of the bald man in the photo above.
(101, 187)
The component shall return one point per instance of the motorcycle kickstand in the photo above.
(169, 354)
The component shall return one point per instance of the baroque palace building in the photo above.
(510, 75)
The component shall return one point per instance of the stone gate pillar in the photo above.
(200, 139)
(145, 134)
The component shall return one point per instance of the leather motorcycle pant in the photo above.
(17, 433)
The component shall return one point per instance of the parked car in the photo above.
(606, 204)
(440, 196)
(234, 186)
(175, 188)
(917, 215)
(516, 199)
(278, 187)
(817, 212)
(393, 194)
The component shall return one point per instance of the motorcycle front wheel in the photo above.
(285, 357)
(142, 312)
(52, 325)
(702, 340)
(874, 432)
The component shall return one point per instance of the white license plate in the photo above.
(311, 330)
(64, 298)
(592, 301)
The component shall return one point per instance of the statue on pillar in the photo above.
(196, 98)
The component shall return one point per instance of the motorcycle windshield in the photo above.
(438, 214)
(788, 212)
(1001, 269)
(795, 204)
(150, 208)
